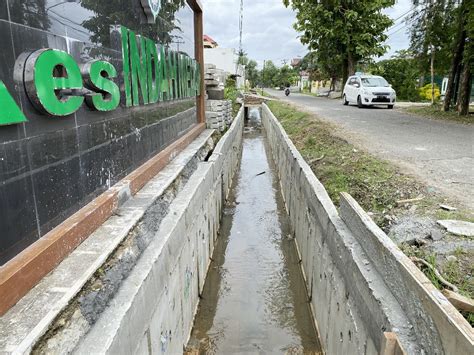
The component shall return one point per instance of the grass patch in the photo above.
(374, 183)
(434, 112)
(457, 271)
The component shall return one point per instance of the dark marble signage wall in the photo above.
(50, 167)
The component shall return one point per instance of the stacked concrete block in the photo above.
(212, 80)
(218, 114)
(218, 110)
(213, 76)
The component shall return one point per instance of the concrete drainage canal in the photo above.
(252, 256)
(289, 273)
(254, 298)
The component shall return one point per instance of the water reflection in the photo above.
(92, 20)
(110, 13)
(31, 13)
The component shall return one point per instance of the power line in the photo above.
(406, 13)
(391, 34)
(401, 28)
(398, 18)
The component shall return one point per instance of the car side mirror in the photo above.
(357, 85)
(390, 85)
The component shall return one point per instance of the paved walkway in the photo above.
(440, 153)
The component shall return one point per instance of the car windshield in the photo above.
(372, 82)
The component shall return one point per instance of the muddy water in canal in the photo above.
(254, 297)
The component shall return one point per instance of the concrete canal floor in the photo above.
(254, 297)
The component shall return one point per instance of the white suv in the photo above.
(368, 90)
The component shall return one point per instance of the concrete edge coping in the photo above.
(447, 313)
(31, 317)
(101, 336)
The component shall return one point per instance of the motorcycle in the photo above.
(287, 91)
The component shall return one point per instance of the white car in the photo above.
(368, 90)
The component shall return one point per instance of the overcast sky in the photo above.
(268, 32)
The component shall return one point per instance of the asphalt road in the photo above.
(439, 153)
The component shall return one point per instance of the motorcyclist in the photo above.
(287, 90)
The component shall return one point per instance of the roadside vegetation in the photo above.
(380, 188)
(434, 112)
(439, 46)
(232, 93)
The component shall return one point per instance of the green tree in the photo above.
(251, 72)
(432, 27)
(342, 32)
(285, 76)
(269, 72)
(31, 13)
(402, 72)
(441, 37)
(321, 69)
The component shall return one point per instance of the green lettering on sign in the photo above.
(55, 83)
(126, 67)
(97, 77)
(155, 75)
(165, 84)
(55, 71)
(172, 74)
(138, 65)
(11, 113)
(154, 71)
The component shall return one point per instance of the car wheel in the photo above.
(344, 101)
(389, 107)
(359, 102)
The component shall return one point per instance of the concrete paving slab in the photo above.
(462, 228)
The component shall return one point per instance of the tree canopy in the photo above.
(441, 32)
(269, 72)
(342, 32)
(402, 72)
(432, 26)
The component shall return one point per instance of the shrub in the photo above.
(425, 92)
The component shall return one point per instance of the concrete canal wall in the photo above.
(153, 311)
(359, 283)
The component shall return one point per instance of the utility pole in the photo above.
(432, 75)
(432, 57)
(263, 73)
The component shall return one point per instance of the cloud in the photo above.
(268, 32)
